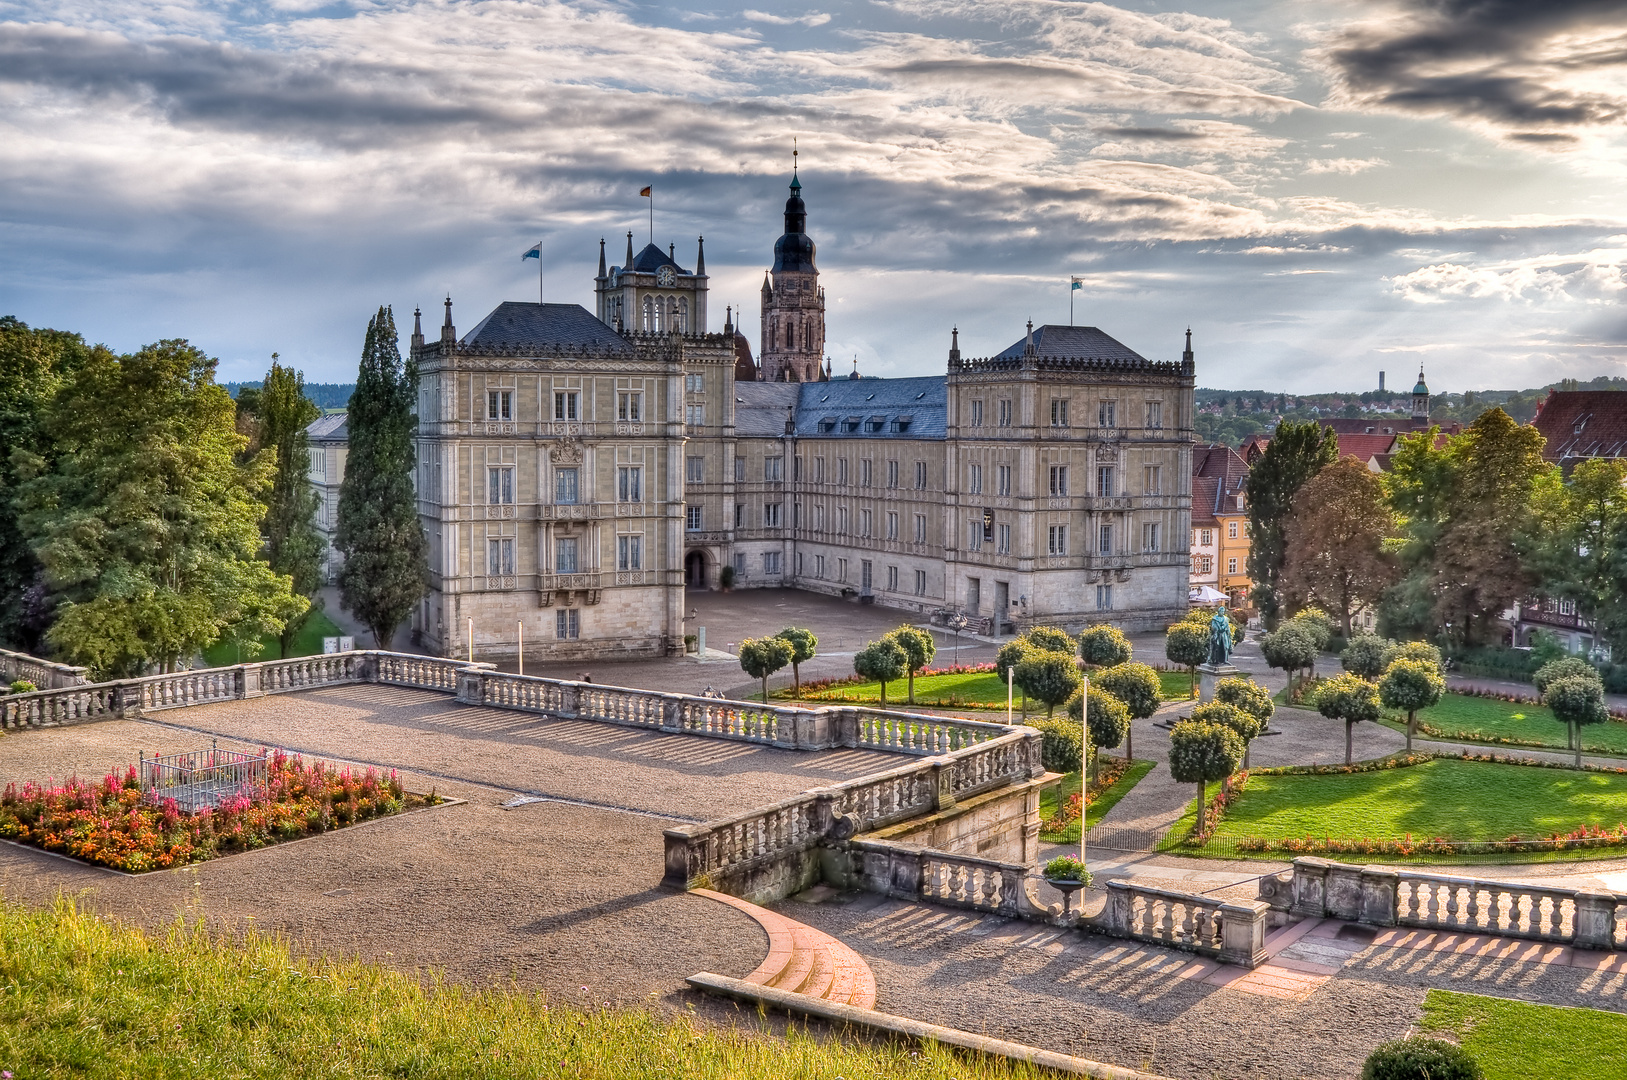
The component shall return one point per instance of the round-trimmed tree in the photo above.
(1187, 644)
(1413, 650)
(1248, 695)
(1104, 646)
(919, 647)
(1290, 648)
(1137, 686)
(1577, 700)
(1050, 639)
(1565, 668)
(884, 661)
(1248, 723)
(1410, 685)
(1318, 624)
(1106, 718)
(1201, 752)
(1364, 656)
(803, 643)
(1063, 747)
(1350, 698)
(762, 657)
(1048, 677)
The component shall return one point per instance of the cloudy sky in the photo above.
(1321, 189)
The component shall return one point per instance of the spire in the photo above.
(601, 257)
(672, 253)
(1028, 344)
(954, 347)
(449, 332)
(700, 257)
(628, 265)
(796, 185)
(417, 329)
(1186, 357)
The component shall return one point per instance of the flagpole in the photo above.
(1071, 291)
(652, 213)
(539, 273)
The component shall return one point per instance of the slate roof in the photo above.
(334, 427)
(652, 259)
(1073, 343)
(539, 326)
(1583, 424)
(922, 402)
(759, 407)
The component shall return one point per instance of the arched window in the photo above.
(790, 335)
(683, 315)
(672, 322)
(649, 315)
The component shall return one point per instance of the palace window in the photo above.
(565, 555)
(866, 468)
(1057, 540)
(920, 583)
(974, 483)
(771, 562)
(1149, 536)
(892, 525)
(565, 405)
(1231, 530)
(1206, 564)
(694, 470)
(773, 468)
(1104, 540)
(892, 474)
(977, 413)
(920, 476)
(629, 553)
(1155, 414)
(695, 415)
(1206, 537)
(772, 518)
(974, 534)
(892, 579)
(500, 556)
(566, 492)
(1059, 412)
(920, 528)
(630, 406)
(568, 624)
(1104, 481)
(1059, 479)
(1002, 479)
(841, 471)
(1005, 412)
(1002, 534)
(1105, 414)
(629, 483)
(695, 383)
(1104, 598)
(499, 405)
(864, 523)
(692, 518)
(1231, 566)
(500, 485)
(1152, 479)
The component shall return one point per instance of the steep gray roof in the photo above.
(539, 326)
(1073, 343)
(904, 408)
(334, 427)
(759, 407)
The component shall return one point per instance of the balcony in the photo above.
(584, 587)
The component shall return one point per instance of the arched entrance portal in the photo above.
(695, 570)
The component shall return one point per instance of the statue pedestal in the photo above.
(1208, 675)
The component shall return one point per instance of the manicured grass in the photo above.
(307, 642)
(1457, 800)
(80, 997)
(1099, 806)
(982, 689)
(1460, 716)
(1521, 1040)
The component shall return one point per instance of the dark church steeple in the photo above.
(793, 322)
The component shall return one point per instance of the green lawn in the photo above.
(976, 689)
(81, 997)
(1098, 807)
(1520, 1040)
(1457, 800)
(1460, 716)
(308, 642)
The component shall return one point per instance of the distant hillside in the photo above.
(324, 396)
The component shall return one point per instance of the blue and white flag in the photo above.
(534, 252)
(1078, 283)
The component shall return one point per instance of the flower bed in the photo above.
(1109, 772)
(108, 824)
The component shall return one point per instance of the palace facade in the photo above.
(579, 470)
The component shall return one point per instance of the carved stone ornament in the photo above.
(1106, 454)
(567, 452)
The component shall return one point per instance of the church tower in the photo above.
(793, 332)
(1420, 402)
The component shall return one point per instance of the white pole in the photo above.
(471, 640)
(1010, 672)
(539, 273)
(522, 646)
(1084, 774)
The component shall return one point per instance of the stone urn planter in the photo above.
(1067, 875)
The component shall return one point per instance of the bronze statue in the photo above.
(1220, 638)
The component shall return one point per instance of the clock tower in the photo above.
(649, 293)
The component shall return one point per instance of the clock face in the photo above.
(666, 277)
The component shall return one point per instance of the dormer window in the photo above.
(1581, 422)
(901, 424)
(827, 425)
(876, 423)
(850, 423)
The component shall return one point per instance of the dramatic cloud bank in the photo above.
(1310, 197)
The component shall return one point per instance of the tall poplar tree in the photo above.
(378, 529)
(1298, 451)
(293, 546)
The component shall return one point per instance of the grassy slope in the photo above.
(1458, 800)
(1518, 1040)
(1462, 716)
(308, 642)
(85, 999)
(978, 688)
(1103, 802)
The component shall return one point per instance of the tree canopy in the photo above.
(1048, 677)
(918, 647)
(762, 657)
(1410, 685)
(803, 644)
(1349, 698)
(884, 661)
(1201, 752)
(293, 546)
(1333, 541)
(1297, 452)
(1104, 646)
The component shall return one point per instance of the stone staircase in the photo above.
(802, 960)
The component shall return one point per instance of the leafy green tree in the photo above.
(1334, 542)
(1316, 623)
(919, 647)
(1577, 700)
(1417, 485)
(884, 661)
(378, 529)
(1048, 677)
(1062, 746)
(1249, 696)
(1349, 698)
(1298, 451)
(1104, 646)
(1050, 639)
(1562, 669)
(1187, 643)
(1410, 685)
(1364, 656)
(762, 657)
(1578, 548)
(34, 365)
(1137, 686)
(1106, 717)
(1290, 647)
(1200, 753)
(1245, 724)
(293, 546)
(145, 522)
(803, 645)
(1422, 651)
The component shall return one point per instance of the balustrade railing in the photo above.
(979, 884)
(304, 672)
(1230, 931)
(918, 733)
(48, 708)
(44, 674)
(183, 688)
(423, 672)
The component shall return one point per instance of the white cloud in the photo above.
(1343, 166)
(1593, 277)
(816, 18)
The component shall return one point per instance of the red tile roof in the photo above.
(1583, 424)
(1219, 475)
(1204, 492)
(1364, 447)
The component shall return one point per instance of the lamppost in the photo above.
(957, 623)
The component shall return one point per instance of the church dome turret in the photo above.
(794, 251)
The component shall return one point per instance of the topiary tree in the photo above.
(1063, 746)
(1577, 700)
(762, 657)
(1249, 696)
(1411, 685)
(1290, 648)
(919, 647)
(803, 643)
(1349, 698)
(1364, 656)
(1104, 646)
(1317, 622)
(1187, 643)
(1413, 650)
(884, 661)
(1049, 677)
(1106, 717)
(1418, 1058)
(1137, 686)
(1200, 752)
(1555, 670)
(1050, 639)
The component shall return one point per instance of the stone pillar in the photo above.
(1208, 675)
(1013, 883)
(1595, 919)
(1344, 892)
(126, 698)
(680, 844)
(1242, 932)
(249, 686)
(672, 713)
(1120, 908)
(1310, 888)
(942, 780)
(1378, 893)
(471, 686)
(367, 666)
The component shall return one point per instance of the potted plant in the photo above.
(1067, 875)
(725, 578)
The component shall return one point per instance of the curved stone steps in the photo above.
(803, 960)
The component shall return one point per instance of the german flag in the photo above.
(648, 192)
